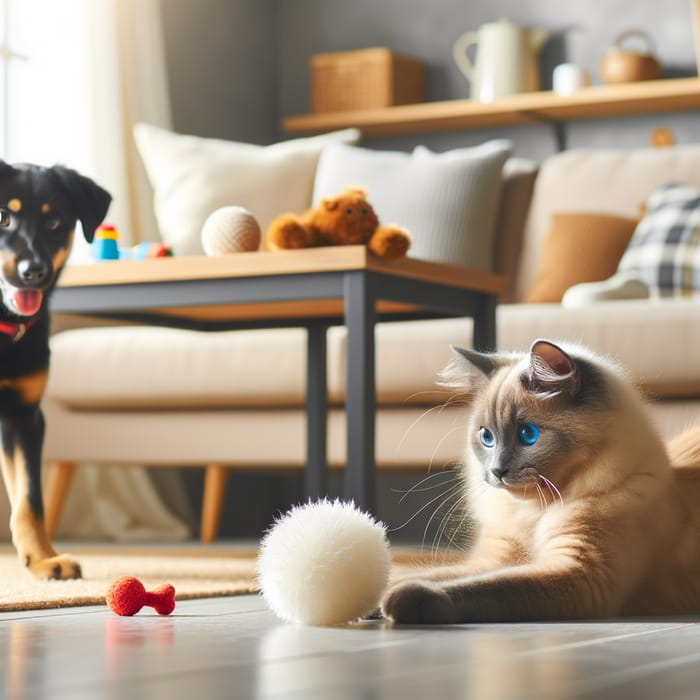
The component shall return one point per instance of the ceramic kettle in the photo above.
(621, 65)
(506, 59)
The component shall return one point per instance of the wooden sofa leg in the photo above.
(215, 477)
(59, 481)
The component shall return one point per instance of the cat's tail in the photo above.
(684, 449)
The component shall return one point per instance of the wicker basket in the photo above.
(365, 79)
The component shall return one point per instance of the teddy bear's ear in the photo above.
(356, 190)
(329, 204)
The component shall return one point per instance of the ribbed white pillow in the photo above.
(193, 176)
(448, 201)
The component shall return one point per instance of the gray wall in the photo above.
(222, 67)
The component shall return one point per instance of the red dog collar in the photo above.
(16, 330)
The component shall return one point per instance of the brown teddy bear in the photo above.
(347, 219)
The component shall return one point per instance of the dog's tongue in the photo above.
(27, 301)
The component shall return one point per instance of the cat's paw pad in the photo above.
(418, 602)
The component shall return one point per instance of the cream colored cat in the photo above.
(580, 509)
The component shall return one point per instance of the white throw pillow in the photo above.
(193, 176)
(448, 201)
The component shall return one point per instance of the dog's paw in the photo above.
(60, 567)
(419, 602)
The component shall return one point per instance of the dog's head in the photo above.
(39, 208)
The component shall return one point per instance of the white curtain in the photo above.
(85, 73)
(128, 85)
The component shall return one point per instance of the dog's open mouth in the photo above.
(23, 302)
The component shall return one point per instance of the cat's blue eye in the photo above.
(528, 434)
(486, 437)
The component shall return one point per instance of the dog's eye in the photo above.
(5, 218)
(53, 224)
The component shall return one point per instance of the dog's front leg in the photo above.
(22, 440)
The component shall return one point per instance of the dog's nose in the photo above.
(32, 271)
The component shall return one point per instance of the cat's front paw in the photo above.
(418, 602)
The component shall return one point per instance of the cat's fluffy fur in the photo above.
(623, 539)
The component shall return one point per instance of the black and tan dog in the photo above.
(39, 208)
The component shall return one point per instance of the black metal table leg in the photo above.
(316, 411)
(484, 338)
(360, 406)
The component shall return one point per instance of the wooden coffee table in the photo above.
(314, 289)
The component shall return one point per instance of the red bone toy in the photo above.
(126, 596)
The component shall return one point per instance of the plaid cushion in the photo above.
(664, 250)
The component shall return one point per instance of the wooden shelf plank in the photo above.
(597, 102)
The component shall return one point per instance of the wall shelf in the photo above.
(597, 102)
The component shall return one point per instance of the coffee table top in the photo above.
(157, 273)
(287, 262)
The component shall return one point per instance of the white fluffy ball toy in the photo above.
(230, 230)
(324, 563)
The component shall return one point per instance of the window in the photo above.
(75, 76)
(45, 83)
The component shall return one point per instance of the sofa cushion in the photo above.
(598, 180)
(146, 367)
(153, 367)
(665, 250)
(448, 201)
(650, 339)
(193, 176)
(579, 247)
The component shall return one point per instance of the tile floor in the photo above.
(235, 648)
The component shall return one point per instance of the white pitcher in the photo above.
(506, 59)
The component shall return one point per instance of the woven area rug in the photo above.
(195, 572)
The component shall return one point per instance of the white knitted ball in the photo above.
(324, 563)
(230, 230)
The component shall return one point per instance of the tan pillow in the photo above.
(579, 247)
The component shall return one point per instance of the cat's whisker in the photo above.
(450, 476)
(442, 439)
(451, 542)
(445, 522)
(551, 493)
(429, 392)
(556, 493)
(543, 500)
(443, 525)
(460, 400)
(422, 508)
(413, 425)
(445, 495)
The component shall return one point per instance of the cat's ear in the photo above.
(551, 369)
(469, 368)
(486, 363)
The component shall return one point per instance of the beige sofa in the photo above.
(234, 400)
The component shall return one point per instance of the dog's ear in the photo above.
(89, 200)
(6, 169)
